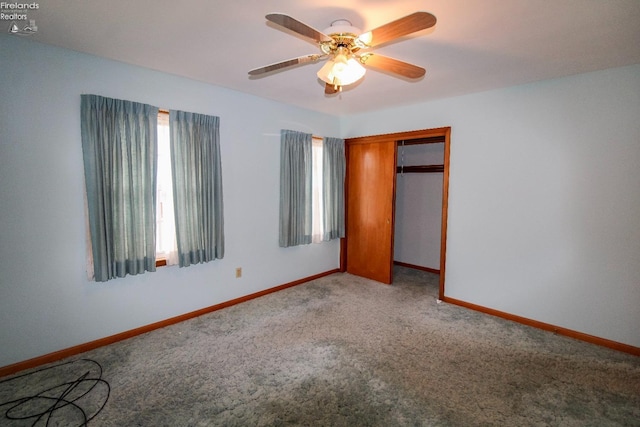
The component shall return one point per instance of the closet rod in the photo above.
(420, 169)
(426, 140)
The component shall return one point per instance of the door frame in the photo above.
(429, 135)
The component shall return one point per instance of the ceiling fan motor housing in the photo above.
(343, 34)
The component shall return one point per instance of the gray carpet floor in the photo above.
(338, 351)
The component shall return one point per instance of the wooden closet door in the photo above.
(371, 177)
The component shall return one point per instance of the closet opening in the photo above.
(374, 221)
(418, 203)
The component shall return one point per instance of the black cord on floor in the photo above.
(41, 407)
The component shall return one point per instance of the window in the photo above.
(146, 173)
(317, 228)
(166, 250)
(312, 172)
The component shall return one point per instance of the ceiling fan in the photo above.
(343, 46)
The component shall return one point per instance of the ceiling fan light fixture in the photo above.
(354, 72)
(364, 40)
(341, 70)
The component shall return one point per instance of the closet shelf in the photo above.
(420, 169)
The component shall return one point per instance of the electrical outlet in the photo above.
(238, 272)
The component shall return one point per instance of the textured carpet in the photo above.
(338, 351)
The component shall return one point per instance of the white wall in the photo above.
(46, 303)
(544, 207)
(418, 214)
(544, 198)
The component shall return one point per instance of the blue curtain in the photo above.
(197, 187)
(295, 188)
(333, 175)
(119, 143)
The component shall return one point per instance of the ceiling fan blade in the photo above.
(330, 89)
(392, 65)
(298, 27)
(284, 64)
(401, 27)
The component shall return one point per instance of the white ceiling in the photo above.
(476, 45)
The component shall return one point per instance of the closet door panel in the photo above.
(371, 191)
